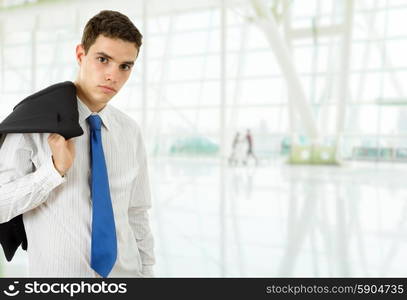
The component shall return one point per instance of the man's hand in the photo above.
(63, 152)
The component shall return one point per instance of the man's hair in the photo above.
(111, 24)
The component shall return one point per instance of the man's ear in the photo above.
(80, 53)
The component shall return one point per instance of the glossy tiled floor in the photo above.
(275, 220)
(280, 220)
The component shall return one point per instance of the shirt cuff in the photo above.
(147, 271)
(48, 177)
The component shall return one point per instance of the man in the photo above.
(85, 200)
(233, 159)
(249, 152)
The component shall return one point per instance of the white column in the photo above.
(222, 135)
(2, 61)
(343, 84)
(266, 22)
(144, 79)
(287, 31)
(33, 76)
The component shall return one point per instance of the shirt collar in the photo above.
(85, 112)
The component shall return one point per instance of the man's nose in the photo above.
(111, 74)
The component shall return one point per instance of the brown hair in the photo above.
(111, 24)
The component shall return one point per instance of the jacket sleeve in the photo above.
(138, 213)
(23, 186)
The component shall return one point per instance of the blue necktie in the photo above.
(104, 242)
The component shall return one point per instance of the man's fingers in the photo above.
(54, 136)
(71, 144)
(57, 140)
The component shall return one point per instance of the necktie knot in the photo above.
(95, 122)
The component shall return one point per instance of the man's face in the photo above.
(104, 69)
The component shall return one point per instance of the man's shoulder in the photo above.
(123, 119)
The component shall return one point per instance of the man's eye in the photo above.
(102, 59)
(125, 67)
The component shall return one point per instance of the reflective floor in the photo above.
(275, 220)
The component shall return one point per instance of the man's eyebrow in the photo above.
(109, 57)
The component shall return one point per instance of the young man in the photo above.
(85, 200)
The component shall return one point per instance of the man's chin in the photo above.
(103, 98)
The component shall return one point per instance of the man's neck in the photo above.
(82, 95)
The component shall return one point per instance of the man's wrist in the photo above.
(61, 172)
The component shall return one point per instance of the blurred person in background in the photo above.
(233, 159)
(249, 153)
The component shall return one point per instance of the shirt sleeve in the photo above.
(138, 213)
(23, 186)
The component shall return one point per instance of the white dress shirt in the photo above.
(57, 211)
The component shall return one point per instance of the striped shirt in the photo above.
(57, 211)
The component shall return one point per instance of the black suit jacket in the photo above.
(53, 110)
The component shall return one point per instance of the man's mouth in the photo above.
(107, 89)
